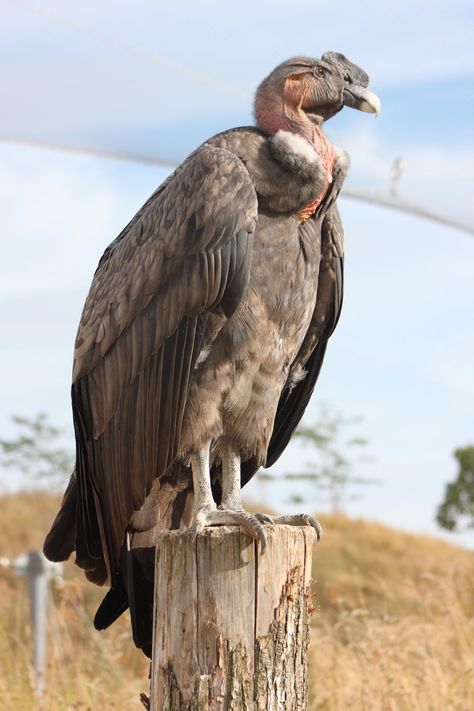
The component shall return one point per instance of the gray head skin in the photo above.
(302, 92)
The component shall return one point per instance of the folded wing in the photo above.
(187, 253)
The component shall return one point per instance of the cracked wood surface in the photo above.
(231, 624)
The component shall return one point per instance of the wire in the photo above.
(200, 77)
(390, 202)
(410, 163)
(92, 152)
(406, 207)
(132, 49)
(387, 201)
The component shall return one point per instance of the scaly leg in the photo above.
(203, 500)
(205, 511)
(232, 495)
(231, 490)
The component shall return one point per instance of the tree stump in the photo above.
(230, 623)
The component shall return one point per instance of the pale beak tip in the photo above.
(373, 103)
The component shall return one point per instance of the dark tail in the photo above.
(59, 543)
(134, 590)
(134, 585)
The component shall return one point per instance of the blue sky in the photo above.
(402, 354)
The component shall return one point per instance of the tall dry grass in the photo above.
(86, 670)
(393, 629)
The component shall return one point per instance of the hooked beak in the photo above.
(358, 97)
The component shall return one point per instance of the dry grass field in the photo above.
(393, 628)
(395, 625)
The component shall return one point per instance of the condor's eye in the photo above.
(320, 71)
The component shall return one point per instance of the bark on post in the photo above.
(231, 624)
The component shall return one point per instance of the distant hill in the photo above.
(393, 627)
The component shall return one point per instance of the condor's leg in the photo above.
(232, 495)
(231, 488)
(230, 512)
(203, 499)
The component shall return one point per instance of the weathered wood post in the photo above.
(231, 623)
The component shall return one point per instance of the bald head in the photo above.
(303, 89)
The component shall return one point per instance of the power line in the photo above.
(202, 78)
(399, 205)
(424, 167)
(145, 54)
(391, 202)
(92, 152)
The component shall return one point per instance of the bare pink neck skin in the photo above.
(272, 115)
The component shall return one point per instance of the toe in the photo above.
(301, 520)
(307, 520)
(201, 520)
(316, 526)
(252, 525)
(196, 529)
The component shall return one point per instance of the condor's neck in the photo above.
(272, 115)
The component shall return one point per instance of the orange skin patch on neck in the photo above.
(327, 156)
(308, 210)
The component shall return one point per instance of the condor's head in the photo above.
(303, 92)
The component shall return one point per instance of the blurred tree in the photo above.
(37, 451)
(457, 510)
(335, 453)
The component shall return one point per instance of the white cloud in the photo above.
(59, 212)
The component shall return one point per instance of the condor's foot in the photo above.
(298, 520)
(251, 523)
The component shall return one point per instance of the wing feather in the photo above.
(186, 253)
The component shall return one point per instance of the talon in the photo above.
(307, 520)
(301, 520)
(263, 518)
(201, 520)
(224, 517)
(262, 536)
(316, 526)
(251, 524)
(196, 529)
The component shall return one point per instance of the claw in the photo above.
(195, 531)
(252, 524)
(263, 518)
(300, 520)
(218, 517)
(198, 526)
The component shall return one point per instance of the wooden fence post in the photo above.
(231, 624)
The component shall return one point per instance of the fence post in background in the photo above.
(230, 630)
(39, 570)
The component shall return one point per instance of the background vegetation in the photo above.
(393, 627)
(456, 511)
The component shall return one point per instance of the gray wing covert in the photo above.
(185, 254)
